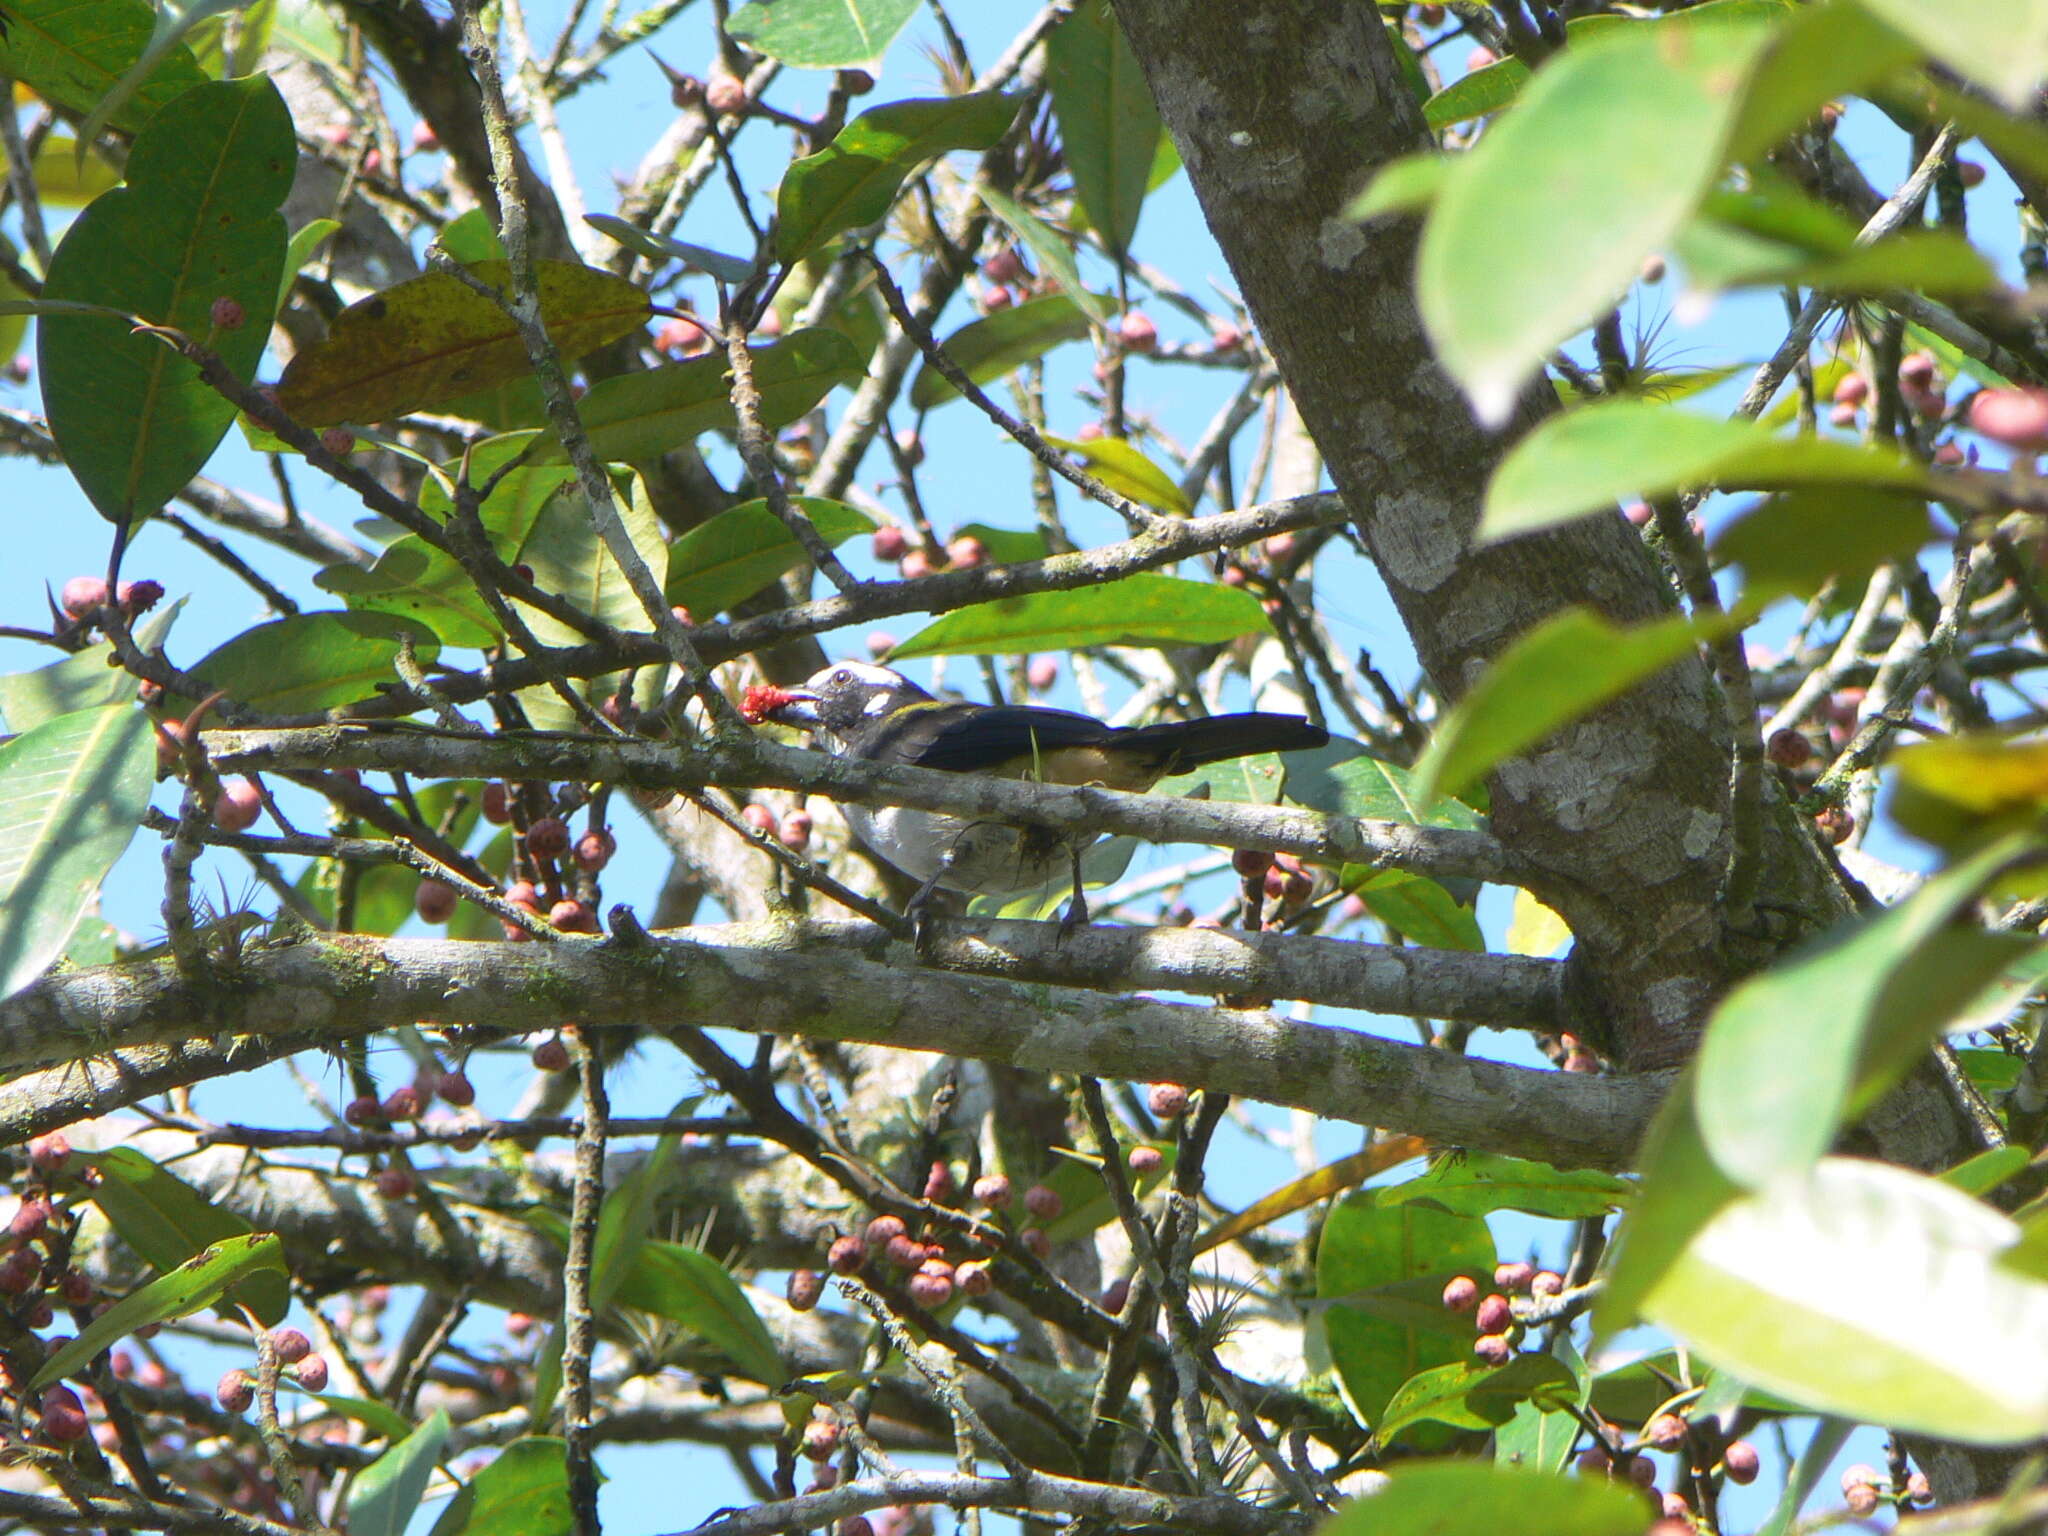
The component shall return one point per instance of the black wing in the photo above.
(975, 738)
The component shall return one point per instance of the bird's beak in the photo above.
(798, 707)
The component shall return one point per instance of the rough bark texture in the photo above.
(1280, 113)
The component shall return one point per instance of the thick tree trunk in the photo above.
(1281, 113)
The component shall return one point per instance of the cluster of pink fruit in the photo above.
(1493, 1314)
(892, 545)
(294, 1352)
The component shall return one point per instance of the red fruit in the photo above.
(1547, 1282)
(759, 701)
(291, 1345)
(938, 1183)
(759, 817)
(1430, 15)
(1851, 389)
(41, 1316)
(1741, 1462)
(48, 1154)
(1950, 455)
(1036, 1241)
(1513, 1277)
(571, 916)
(363, 1110)
(594, 849)
(456, 1089)
(1675, 1508)
(338, 441)
(846, 1255)
(1494, 1314)
(1666, 1432)
(19, 1271)
(903, 1252)
(1493, 1349)
(1144, 1160)
(994, 298)
(1461, 1294)
(394, 1183)
(821, 1438)
(1789, 749)
(1137, 332)
(1042, 1202)
(64, 1421)
(435, 901)
(1835, 824)
(973, 1278)
(237, 807)
(1249, 862)
(795, 831)
(725, 95)
(1043, 672)
(929, 1290)
(548, 838)
(1917, 370)
(518, 1324)
(806, 1286)
(1642, 1471)
(236, 1391)
(402, 1104)
(889, 543)
(1006, 266)
(75, 1288)
(312, 1373)
(139, 596)
(856, 1525)
(82, 594)
(2017, 418)
(1169, 1101)
(227, 314)
(992, 1191)
(1594, 1461)
(551, 1056)
(883, 1229)
(1970, 173)
(30, 1218)
(966, 552)
(496, 804)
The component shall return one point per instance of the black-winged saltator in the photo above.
(858, 710)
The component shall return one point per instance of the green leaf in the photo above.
(1467, 1395)
(379, 1418)
(687, 1286)
(1254, 780)
(1872, 1293)
(166, 1221)
(1829, 1436)
(569, 558)
(1343, 779)
(1955, 792)
(312, 661)
(636, 417)
(729, 557)
(387, 1492)
(2000, 44)
(525, 1492)
(1410, 184)
(72, 54)
(851, 182)
(626, 1217)
(199, 1282)
(1006, 546)
(727, 269)
(173, 25)
(1476, 1183)
(309, 238)
(1796, 542)
(1719, 254)
(1819, 53)
(1054, 254)
(821, 34)
(62, 181)
(1868, 1000)
(72, 792)
(990, 347)
(1367, 1247)
(1540, 1438)
(1983, 1173)
(1138, 610)
(1109, 127)
(1420, 910)
(1585, 461)
(1125, 470)
(196, 222)
(1584, 223)
(1564, 668)
(431, 340)
(1472, 1498)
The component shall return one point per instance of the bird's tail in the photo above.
(1183, 744)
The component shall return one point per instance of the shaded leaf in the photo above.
(1138, 610)
(1109, 126)
(72, 792)
(1472, 1498)
(1254, 780)
(821, 34)
(687, 1286)
(1586, 461)
(635, 417)
(1467, 1395)
(729, 557)
(166, 1221)
(312, 661)
(727, 269)
(1420, 909)
(1124, 469)
(851, 182)
(432, 339)
(1051, 248)
(1564, 668)
(1343, 779)
(71, 54)
(387, 1492)
(990, 347)
(196, 222)
(199, 1282)
(1872, 1293)
(2000, 44)
(524, 1492)
(1475, 1183)
(1795, 542)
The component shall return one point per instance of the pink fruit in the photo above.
(1494, 1314)
(401, 1104)
(238, 806)
(795, 831)
(551, 1056)
(227, 314)
(994, 299)
(2017, 418)
(312, 1373)
(457, 1089)
(1851, 389)
(291, 1345)
(805, 1288)
(594, 849)
(966, 552)
(82, 594)
(548, 838)
(236, 1391)
(1006, 266)
(992, 1191)
(1461, 1294)
(725, 95)
(1137, 332)
(1043, 1202)
(435, 901)
(1144, 1160)
(889, 543)
(1043, 672)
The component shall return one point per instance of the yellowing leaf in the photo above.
(1126, 470)
(1535, 929)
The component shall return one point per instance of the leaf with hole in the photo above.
(1142, 610)
(72, 793)
(431, 340)
(851, 182)
(197, 222)
(199, 1282)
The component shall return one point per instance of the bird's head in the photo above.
(839, 700)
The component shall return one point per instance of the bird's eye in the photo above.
(841, 676)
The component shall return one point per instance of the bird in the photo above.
(875, 714)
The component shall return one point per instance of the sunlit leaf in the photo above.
(166, 1222)
(990, 347)
(312, 661)
(386, 1493)
(734, 554)
(1137, 610)
(1124, 468)
(1476, 1183)
(1473, 1498)
(821, 34)
(524, 1492)
(1468, 1395)
(2000, 44)
(72, 53)
(1109, 126)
